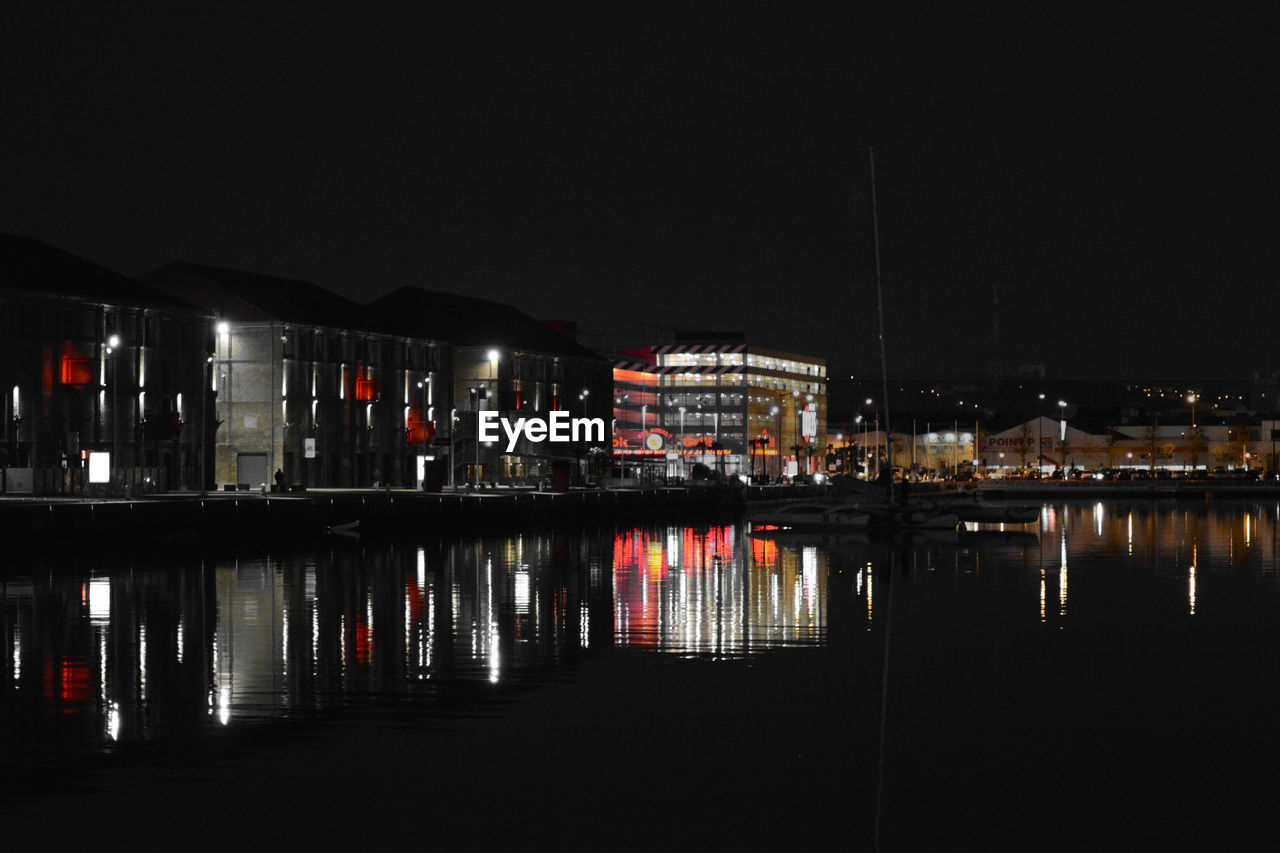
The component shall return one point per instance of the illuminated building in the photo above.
(736, 407)
(67, 391)
(306, 386)
(508, 362)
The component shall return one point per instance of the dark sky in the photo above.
(1112, 173)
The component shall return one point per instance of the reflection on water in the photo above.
(108, 653)
(105, 652)
(714, 590)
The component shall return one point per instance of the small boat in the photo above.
(812, 516)
(916, 517)
(351, 528)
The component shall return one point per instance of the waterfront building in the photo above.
(306, 386)
(507, 362)
(92, 361)
(1051, 444)
(738, 408)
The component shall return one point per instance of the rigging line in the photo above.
(884, 368)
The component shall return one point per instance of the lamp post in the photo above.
(680, 444)
(1191, 398)
(622, 462)
(877, 435)
(859, 421)
(776, 411)
(474, 478)
(453, 453)
(113, 343)
(492, 357)
(1040, 440)
(582, 397)
(812, 443)
(866, 463)
(1062, 433)
(207, 382)
(795, 410)
(424, 387)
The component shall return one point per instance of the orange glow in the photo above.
(764, 552)
(635, 377)
(76, 370)
(419, 431)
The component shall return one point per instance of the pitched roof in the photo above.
(252, 297)
(468, 321)
(33, 266)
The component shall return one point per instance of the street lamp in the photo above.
(1191, 398)
(1040, 440)
(475, 406)
(862, 444)
(113, 343)
(776, 411)
(680, 446)
(207, 382)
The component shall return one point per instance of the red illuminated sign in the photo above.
(638, 442)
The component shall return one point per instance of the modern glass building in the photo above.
(738, 408)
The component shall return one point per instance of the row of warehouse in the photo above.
(192, 377)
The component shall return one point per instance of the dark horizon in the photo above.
(1105, 177)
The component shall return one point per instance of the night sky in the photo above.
(1111, 173)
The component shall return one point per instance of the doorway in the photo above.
(251, 468)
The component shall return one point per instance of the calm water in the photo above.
(1110, 676)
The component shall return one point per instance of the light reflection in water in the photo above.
(1062, 577)
(1191, 582)
(233, 640)
(1042, 594)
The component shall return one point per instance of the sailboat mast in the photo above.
(884, 367)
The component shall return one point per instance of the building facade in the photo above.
(740, 409)
(95, 362)
(305, 388)
(507, 363)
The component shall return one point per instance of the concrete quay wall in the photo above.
(58, 524)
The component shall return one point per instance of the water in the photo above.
(1106, 677)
